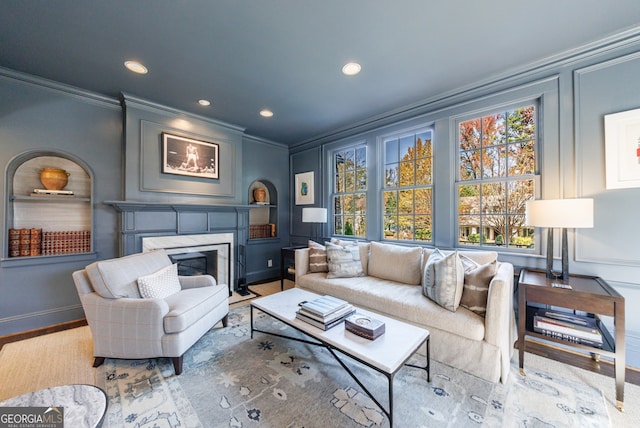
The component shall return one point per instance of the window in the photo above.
(349, 191)
(408, 187)
(497, 159)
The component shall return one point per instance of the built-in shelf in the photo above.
(62, 199)
(263, 217)
(50, 226)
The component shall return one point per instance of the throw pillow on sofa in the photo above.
(364, 250)
(443, 279)
(317, 258)
(343, 261)
(160, 284)
(395, 263)
(477, 278)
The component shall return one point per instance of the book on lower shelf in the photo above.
(569, 338)
(567, 326)
(260, 231)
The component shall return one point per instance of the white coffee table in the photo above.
(387, 354)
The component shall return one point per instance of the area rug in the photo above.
(231, 380)
(540, 399)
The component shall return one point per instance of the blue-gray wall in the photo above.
(118, 141)
(40, 292)
(265, 161)
(575, 91)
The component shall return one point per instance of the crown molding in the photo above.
(551, 64)
(142, 103)
(81, 94)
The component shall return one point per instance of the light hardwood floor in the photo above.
(65, 357)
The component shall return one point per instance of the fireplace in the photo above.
(197, 254)
(200, 263)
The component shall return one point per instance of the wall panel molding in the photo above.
(153, 180)
(600, 89)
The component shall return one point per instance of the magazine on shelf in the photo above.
(323, 306)
(323, 325)
(578, 321)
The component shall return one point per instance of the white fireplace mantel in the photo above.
(180, 244)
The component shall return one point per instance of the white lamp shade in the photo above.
(314, 215)
(569, 213)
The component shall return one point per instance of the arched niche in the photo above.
(61, 222)
(263, 215)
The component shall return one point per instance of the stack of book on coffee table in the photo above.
(574, 328)
(324, 312)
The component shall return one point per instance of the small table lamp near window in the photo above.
(314, 215)
(563, 213)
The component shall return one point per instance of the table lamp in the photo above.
(563, 213)
(314, 215)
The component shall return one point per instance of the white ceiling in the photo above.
(286, 55)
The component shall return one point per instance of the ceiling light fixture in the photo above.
(351, 68)
(266, 113)
(136, 67)
(204, 103)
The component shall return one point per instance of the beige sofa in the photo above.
(479, 345)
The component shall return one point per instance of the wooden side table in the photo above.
(588, 294)
(288, 264)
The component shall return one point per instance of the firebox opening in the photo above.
(197, 263)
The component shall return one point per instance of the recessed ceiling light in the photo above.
(204, 103)
(136, 67)
(266, 113)
(351, 68)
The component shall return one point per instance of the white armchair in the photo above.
(125, 325)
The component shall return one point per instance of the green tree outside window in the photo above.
(496, 177)
(408, 187)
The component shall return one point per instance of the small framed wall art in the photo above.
(190, 157)
(304, 188)
(622, 149)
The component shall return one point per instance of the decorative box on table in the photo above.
(364, 326)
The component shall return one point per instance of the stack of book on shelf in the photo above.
(574, 328)
(324, 312)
